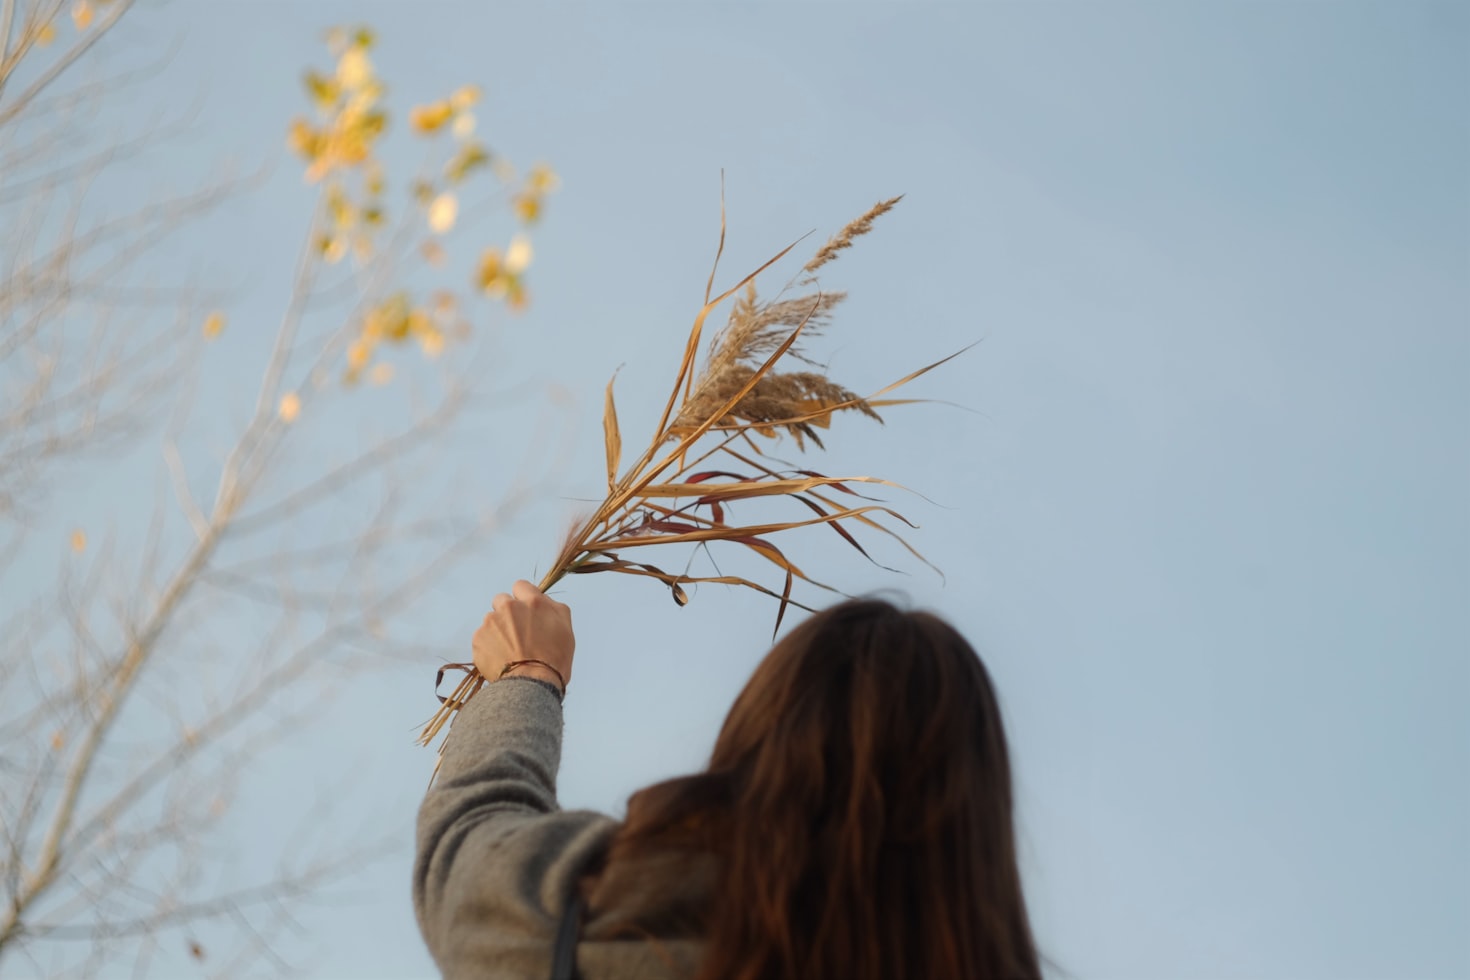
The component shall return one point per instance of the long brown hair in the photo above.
(858, 804)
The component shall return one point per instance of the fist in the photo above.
(526, 625)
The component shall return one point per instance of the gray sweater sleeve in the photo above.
(496, 857)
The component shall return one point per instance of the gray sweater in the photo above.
(497, 859)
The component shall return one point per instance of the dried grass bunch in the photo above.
(672, 494)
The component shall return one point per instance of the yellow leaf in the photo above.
(376, 121)
(490, 274)
(358, 131)
(464, 125)
(442, 212)
(390, 320)
(339, 208)
(381, 374)
(430, 118)
(527, 207)
(46, 34)
(464, 97)
(395, 317)
(79, 541)
(304, 140)
(431, 341)
(354, 69)
(290, 407)
(358, 353)
(336, 248)
(433, 252)
(516, 296)
(364, 37)
(81, 14)
(323, 91)
(542, 179)
(213, 324)
(518, 255)
(470, 158)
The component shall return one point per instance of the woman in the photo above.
(854, 822)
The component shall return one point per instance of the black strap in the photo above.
(564, 955)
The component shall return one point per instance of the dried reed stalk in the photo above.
(667, 497)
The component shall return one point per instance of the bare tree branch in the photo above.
(196, 631)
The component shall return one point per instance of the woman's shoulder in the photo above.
(646, 915)
(664, 894)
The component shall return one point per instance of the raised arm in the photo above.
(496, 856)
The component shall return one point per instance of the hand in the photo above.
(528, 625)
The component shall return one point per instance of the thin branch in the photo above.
(191, 510)
(65, 61)
(332, 481)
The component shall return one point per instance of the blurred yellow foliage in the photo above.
(442, 212)
(79, 541)
(432, 342)
(465, 97)
(290, 407)
(454, 112)
(324, 92)
(529, 202)
(347, 103)
(466, 160)
(527, 207)
(373, 181)
(396, 320)
(340, 150)
(390, 320)
(358, 354)
(81, 14)
(518, 256)
(542, 179)
(214, 324)
(428, 119)
(490, 274)
(354, 69)
(499, 274)
(350, 227)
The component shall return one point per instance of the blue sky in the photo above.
(1204, 504)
